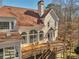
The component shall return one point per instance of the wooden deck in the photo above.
(57, 47)
(30, 50)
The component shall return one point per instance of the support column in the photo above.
(3, 53)
(15, 25)
(10, 25)
(34, 56)
(28, 39)
(38, 36)
(20, 54)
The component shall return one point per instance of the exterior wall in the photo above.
(16, 44)
(9, 44)
(53, 24)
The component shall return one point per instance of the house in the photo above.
(20, 27)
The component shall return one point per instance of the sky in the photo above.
(24, 3)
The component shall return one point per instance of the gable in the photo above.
(52, 14)
(51, 17)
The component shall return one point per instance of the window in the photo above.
(48, 24)
(50, 34)
(12, 25)
(9, 53)
(4, 25)
(41, 35)
(24, 37)
(33, 36)
(1, 53)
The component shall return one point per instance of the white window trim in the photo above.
(10, 28)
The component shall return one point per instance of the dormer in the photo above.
(7, 24)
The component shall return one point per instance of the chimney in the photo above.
(41, 7)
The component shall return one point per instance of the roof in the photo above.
(24, 16)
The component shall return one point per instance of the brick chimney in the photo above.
(41, 7)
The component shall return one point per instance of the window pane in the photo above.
(48, 24)
(33, 36)
(41, 36)
(12, 25)
(4, 25)
(24, 33)
(33, 31)
(24, 37)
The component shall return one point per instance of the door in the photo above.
(50, 34)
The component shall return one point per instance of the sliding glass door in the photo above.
(9, 53)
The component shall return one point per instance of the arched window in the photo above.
(41, 35)
(33, 36)
(24, 37)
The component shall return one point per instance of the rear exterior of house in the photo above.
(21, 27)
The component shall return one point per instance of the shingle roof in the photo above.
(25, 17)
